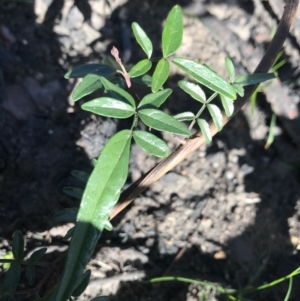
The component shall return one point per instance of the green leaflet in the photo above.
(18, 244)
(155, 99)
(89, 84)
(101, 194)
(205, 130)
(161, 121)
(173, 31)
(227, 104)
(192, 89)
(109, 107)
(185, 116)
(74, 192)
(140, 68)
(205, 76)
(216, 115)
(151, 144)
(230, 69)
(66, 215)
(160, 74)
(116, 92)
(30, 274)
(142, 38)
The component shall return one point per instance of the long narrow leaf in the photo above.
(140, 68)
(18, 244)
(101, 194)
(185, 116)
(173, 31)
(227, 104)
(230, 69)
(204, 127)
(205, 76)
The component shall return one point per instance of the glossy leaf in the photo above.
(82, 283)
(80, 175)
(230, 69)
(74, 192)
(192, 89)
(89, 84)
(172, 32)
(253, 79)
(99, 198)
(160, 74)
(151, 144)
(83, 70)
(227, 105)
(142, 38)
(161, 121)
(11, 278)
(30, 274)
(37, 255)
(18, 245)
(117, 92)
(140, 68)
(205, 130)
(238, 88)
(185, 116)
(109, 107)
(155, 99)
(66, 215)
(216, 115)
(205, 76)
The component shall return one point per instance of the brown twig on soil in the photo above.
(193, 143)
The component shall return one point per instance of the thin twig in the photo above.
(193, 143)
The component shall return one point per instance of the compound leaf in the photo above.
(142, 38)
(151, 144)
(172, 32)
(161, 121)
(160, 74)
(109, 107)
(205, 76)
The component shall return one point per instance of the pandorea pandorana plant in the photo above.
(120, 100)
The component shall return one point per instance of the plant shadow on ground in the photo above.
(44, 166)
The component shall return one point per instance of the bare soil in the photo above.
(230, 214)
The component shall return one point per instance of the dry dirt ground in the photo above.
(230, 214)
